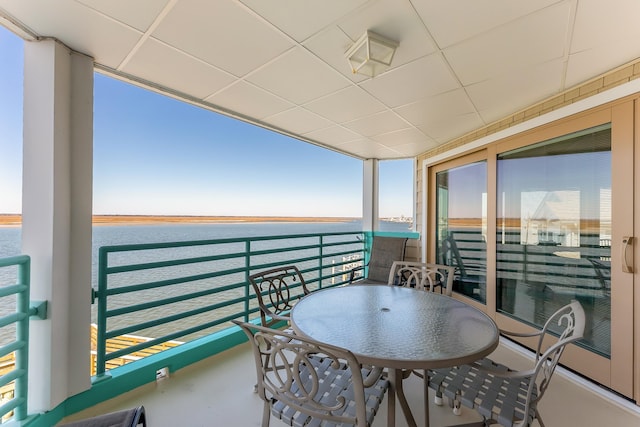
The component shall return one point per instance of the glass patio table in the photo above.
(397, 328)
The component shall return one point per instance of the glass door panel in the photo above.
(547, 215)
(554, 231)
(461, 228)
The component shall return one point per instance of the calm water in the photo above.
(133, 234)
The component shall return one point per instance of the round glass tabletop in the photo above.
(396, 327)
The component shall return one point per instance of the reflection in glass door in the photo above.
(461, 229)
(554, 231)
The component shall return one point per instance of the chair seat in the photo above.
(496, 398)
(503, 395)
(335, 383)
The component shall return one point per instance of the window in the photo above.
(395, 179)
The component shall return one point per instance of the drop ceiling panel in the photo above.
(413, 149)
(494, 98)
(79, 27)
(512, 47)
(452, 22)
(428, 76)
(299, 77)
(155, 61)
(452, 127)
(600, 51)
(249, 100)
(334, 134)
(375, 124)
(301, 19)
(400, 137)
(345, 105)
(298, 120)
(222, 33)
(437, 108)
(600, 59)
(599, 23)
(139, 17)
(369, 149)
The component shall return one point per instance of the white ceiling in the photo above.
(460, 64)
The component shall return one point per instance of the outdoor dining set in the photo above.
(328, 357)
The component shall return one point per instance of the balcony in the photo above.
(211, 377)
(220, 387)
(219, 391)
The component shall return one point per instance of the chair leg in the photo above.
(266, 414)
(438, 399)
(457, 409)
(455, 405)
(425, 384)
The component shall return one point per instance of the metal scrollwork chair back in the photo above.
(276, 290)
(305, 382)
(422, 276)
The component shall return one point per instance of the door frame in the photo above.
(622, 372)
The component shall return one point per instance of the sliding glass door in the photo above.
(536, 220)
(554, 231)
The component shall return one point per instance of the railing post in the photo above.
(320, 261)
(22, 336)
(247, 265)
(366, 256)
(101, 345)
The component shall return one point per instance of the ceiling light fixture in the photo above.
(371, 54)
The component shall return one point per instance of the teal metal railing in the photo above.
(15, 339)
(185, 290)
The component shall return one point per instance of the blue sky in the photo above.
(156, 155)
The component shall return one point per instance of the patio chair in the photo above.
(305, 382)
(129, 418)
(276, 292)
(276, 295)
(469, 276)
(384, 251)
(602, 269)
(422, 276)
(502, 395)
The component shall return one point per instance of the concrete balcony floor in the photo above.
(219, 392)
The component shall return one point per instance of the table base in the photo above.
(396, 376)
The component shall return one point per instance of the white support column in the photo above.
(370, 196)
(56, 217)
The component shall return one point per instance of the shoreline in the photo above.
(15, 220)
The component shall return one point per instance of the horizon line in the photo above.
(15, 219)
